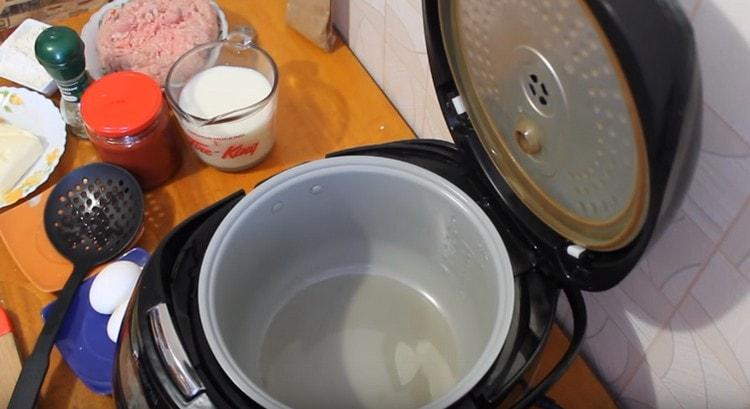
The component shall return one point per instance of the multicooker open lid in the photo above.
(584, 115)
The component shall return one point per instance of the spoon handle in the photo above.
(32, 375)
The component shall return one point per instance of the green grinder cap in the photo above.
(60, 51)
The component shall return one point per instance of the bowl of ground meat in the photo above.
(148, 36)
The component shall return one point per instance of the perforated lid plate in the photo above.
(550, 103)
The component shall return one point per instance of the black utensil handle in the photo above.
(32, 375)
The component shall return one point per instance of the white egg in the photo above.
(115, 321)
(113, 286)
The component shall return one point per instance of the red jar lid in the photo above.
(121, 104)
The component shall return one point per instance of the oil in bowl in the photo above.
(361, 341)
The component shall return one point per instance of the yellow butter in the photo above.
(19, 150)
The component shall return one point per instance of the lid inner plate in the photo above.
(553, 110)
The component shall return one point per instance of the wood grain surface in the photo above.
(11, 364)
(327, 102)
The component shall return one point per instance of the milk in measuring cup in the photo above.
(238, 144)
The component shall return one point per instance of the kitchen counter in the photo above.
(327, 102)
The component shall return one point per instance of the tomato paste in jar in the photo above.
(128, 123)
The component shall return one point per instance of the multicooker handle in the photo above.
(578, 308)
(175, 359)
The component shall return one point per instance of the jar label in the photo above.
(72, 90)
(233, 152)
(231, 148)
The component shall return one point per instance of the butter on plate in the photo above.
(19, 150)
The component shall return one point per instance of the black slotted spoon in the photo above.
(92, 215)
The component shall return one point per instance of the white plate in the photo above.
(23, 73)
(91, 29)
(35, 113)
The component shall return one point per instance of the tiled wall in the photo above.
(676, 332)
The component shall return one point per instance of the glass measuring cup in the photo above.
(224, 95)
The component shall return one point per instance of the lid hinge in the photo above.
(576, 251)
(458, 105)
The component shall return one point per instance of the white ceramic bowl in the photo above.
(91, 29)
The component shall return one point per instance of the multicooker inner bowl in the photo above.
(356, 282)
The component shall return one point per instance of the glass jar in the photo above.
(128, 123)
(224, 96)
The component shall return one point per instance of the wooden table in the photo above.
(326, 102)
